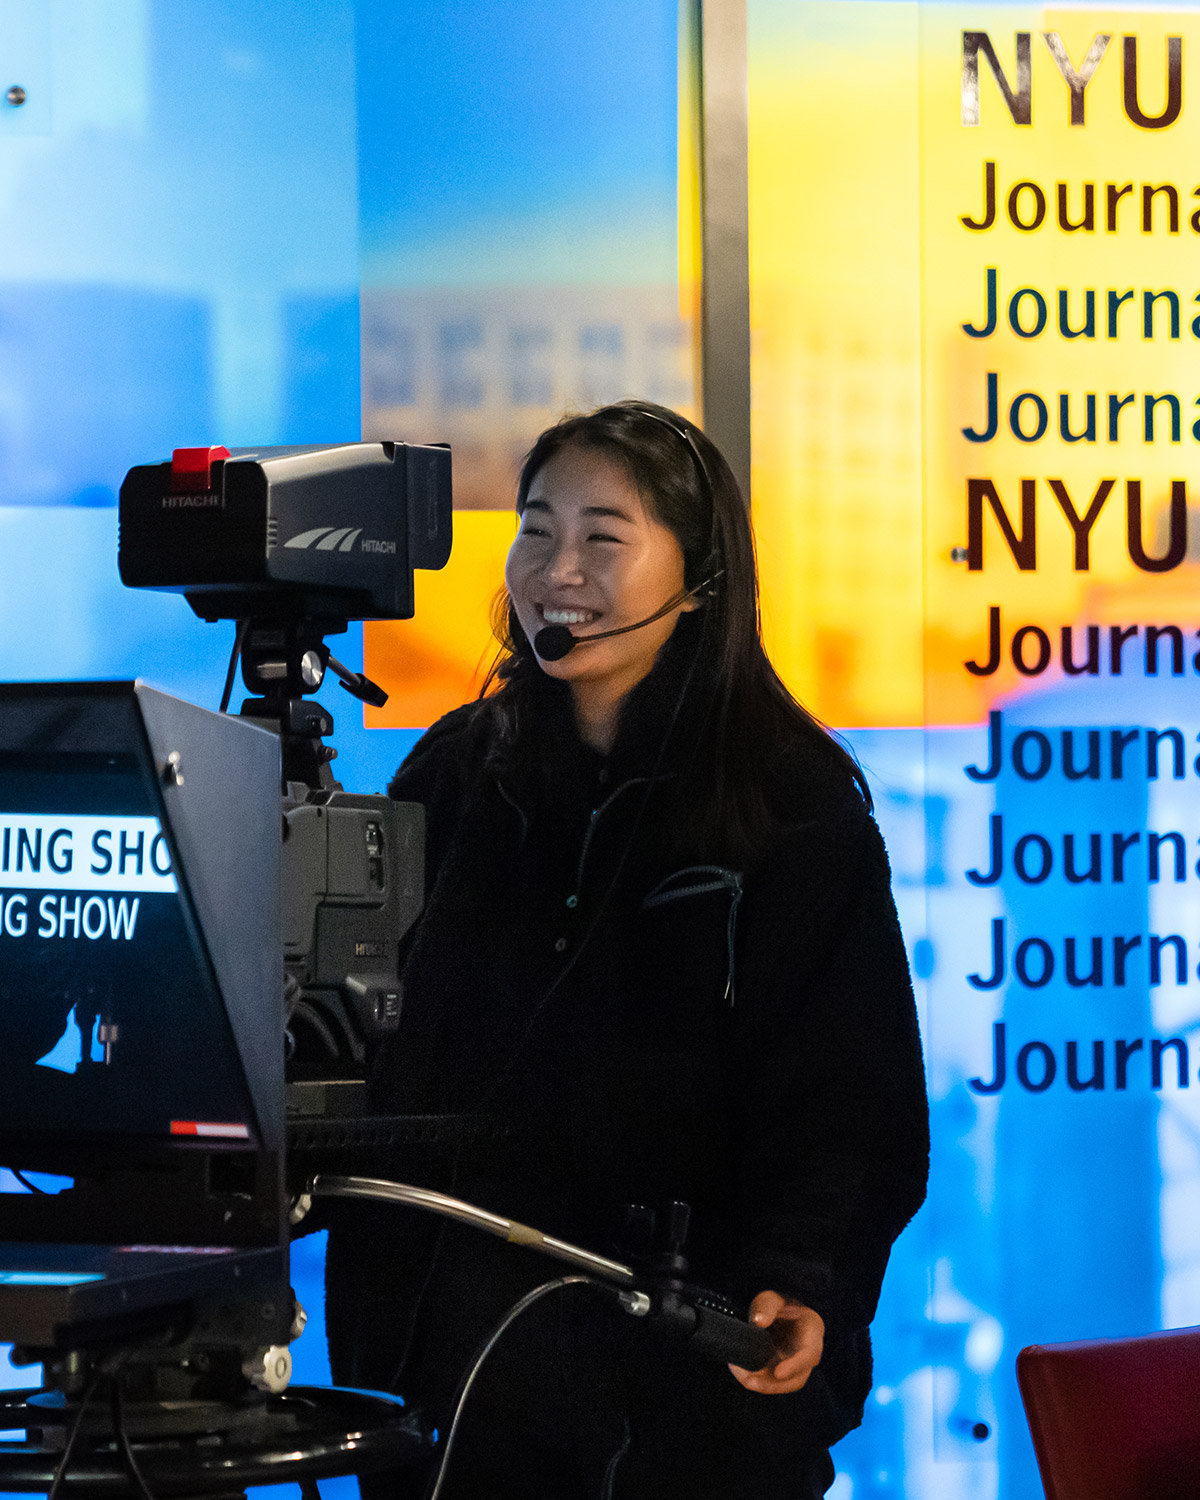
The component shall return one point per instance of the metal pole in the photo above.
(725, 261)
(327, 1185)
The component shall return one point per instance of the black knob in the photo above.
(638, 1226)
(679, 1218)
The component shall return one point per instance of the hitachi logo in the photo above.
(208, 501)
(340, 539)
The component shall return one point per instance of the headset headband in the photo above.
(706, 486)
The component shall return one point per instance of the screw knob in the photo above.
(269, 1369)
(679, 1219)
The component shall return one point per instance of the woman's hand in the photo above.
(799, 1335)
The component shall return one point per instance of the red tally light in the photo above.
(210, 1128)
(191, 469)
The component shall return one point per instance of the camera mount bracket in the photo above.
(283, 662)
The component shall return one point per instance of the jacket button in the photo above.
(572, 902)
(560, 945)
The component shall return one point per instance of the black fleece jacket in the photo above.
(652, 1026)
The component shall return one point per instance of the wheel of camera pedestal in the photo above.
(307, 1433)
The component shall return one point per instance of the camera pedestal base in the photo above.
(209, 1450)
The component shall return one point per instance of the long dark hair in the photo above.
(751, 720)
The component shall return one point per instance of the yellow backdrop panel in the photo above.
(437, 660)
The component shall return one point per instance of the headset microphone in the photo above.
(553, 642)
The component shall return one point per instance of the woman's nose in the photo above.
(565, 564)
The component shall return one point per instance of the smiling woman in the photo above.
(660, 963)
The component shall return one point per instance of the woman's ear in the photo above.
(707, 588)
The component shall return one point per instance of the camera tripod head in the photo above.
(283, 663)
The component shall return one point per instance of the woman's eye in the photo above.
(533, 531)
(602, 536)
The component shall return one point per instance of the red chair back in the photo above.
(1116, 1419)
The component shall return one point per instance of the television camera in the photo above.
(292, 543)
(144, 885)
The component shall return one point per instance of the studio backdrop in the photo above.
(970, 237)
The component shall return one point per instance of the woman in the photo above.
(659, 953)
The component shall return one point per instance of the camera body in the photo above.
(310, 535)
(352, 887)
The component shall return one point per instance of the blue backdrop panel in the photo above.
(95, 373)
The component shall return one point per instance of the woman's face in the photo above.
(589, 555)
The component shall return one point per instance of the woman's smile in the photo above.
(558, 615)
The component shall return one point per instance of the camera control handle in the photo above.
(358, 685)
(679, 1312)
(717, 1335)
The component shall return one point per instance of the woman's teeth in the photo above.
(568, 616)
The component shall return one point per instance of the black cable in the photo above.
(464, 1388)
(292, 994)
(123, 1443)
(238, 640)
(61, 1472)
(304, 1011)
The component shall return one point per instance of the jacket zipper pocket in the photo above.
(719, 879)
